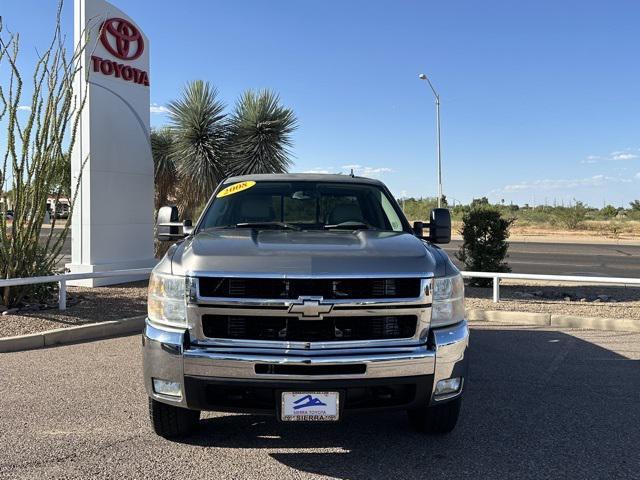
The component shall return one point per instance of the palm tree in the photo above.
(260, 134)
(198, 128)
(164, 167)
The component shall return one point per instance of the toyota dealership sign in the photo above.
(122, 40)
(112, 224)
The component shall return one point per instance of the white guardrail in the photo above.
(554, 278)
(62, 280)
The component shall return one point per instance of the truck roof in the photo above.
(303, 177)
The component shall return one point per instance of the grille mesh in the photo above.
(294, 288)
(292, 329)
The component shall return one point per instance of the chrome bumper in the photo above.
(166, 358)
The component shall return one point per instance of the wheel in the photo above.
(169, 421)
(438, 419)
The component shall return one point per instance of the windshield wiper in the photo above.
(350, 226)
(280, 225)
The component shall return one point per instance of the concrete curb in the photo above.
(553, 320)
(81, 333)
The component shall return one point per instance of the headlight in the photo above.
(166, 302)
(448, 301)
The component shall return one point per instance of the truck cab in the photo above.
(308, 297)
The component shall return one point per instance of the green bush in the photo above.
(484, 242)
(608, 212)
(572, 217)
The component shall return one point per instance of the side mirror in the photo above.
(169, 228)
(187, 227)
(440, 226)
(418, 229)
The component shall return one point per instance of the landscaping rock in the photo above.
(567, 299)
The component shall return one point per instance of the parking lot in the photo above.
(540, 403)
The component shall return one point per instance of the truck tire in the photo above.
(169, 421)
(436, 419)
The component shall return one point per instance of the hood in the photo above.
(307, 253)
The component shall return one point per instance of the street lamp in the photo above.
(422, 76)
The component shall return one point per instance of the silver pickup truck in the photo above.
(308, 297)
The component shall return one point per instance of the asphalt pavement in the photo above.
(607, 260)
(540, 403)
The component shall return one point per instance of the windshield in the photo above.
(304, 206)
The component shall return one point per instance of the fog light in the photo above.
(165, 387)
(449, 385)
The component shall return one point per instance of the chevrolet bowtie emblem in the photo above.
(310, 308)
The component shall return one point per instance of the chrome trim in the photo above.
(162, 358)
(286, 303)
(285, 276)
(201, 362)
(451, 356)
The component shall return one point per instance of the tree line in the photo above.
(569, 217)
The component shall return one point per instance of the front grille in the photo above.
(273, 288)
(293, 329)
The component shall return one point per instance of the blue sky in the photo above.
(540, 100)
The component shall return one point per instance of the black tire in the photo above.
(169, 421)
(436, 419)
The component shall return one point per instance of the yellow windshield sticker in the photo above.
(235, 188)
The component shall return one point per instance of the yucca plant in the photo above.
(165, 175)
(164, 167)
(198, 128)
(260, 131)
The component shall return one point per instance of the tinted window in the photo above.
(307, 205)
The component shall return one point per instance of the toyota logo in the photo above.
(122, 38)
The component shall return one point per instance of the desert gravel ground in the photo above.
(539, 403)
(625, 304)
(95, 305)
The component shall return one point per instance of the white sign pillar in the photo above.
(112, 224)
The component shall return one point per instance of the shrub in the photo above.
(484, 243)
(609, 212)
(572, 217)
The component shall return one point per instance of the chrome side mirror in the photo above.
(169, 228)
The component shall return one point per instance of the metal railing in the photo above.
(555, 278)
(62, 280)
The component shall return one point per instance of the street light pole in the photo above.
(422, 76)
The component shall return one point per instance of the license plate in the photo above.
(310, 406)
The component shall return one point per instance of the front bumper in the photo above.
(249, 379)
